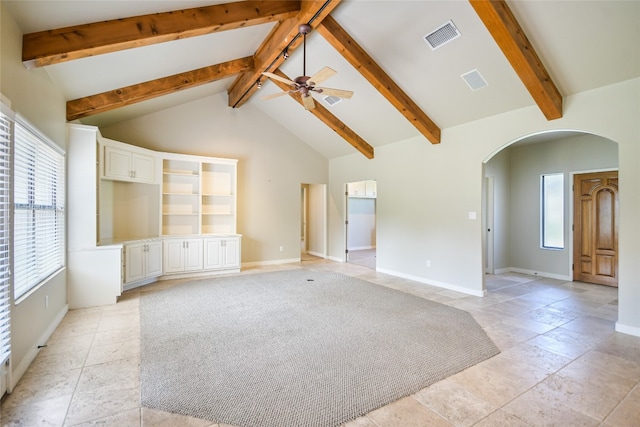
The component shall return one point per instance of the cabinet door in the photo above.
(143, 167)
(356, 189)
(193, 255)
(232, 252)
(212, 254)
(117, 163)
(371, 189)
(154, 259)
(134, 263)
(173, 256)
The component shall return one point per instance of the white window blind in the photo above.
(6, 130)
(38, 209)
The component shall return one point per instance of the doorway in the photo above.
(595, 236)
(313, 221)
(360, 223)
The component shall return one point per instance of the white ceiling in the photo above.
(583, 44)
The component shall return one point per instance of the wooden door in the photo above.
(595, 237)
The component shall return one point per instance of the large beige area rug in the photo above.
(296, 348)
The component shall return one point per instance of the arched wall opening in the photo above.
(511, 199)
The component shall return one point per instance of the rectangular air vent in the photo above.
(474, 79)
(442, 35)
(332, 100)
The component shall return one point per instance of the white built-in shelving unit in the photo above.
(157, 215)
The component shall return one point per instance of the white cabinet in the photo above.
(362, 189)
(143, 260)
(94, 273)
(131, 220)
(182, 255)
(370, 189)
(221, 252)
(128, 165)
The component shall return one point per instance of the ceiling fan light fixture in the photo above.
(303, 85)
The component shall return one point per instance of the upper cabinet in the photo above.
(127, 163)
(365, 189)
(198, 195)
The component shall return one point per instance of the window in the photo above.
(38, 209)
(552, 211)
(6, 130)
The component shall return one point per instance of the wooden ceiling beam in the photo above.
(106, 101)
(269, 56)
(64, 44)
(510, 37)
(361, 61)
(330, 120)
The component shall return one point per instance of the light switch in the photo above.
(472, 215)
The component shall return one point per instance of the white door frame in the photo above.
(489, 225)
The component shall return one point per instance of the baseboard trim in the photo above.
(540, 274)
(480, 293)
(361, 248)
(318, 254)
(17, 373)
(270, 262)
(628, 329)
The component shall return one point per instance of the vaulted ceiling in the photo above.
(119, 60)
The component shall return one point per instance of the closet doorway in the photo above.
(360, 223)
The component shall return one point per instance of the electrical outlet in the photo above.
(428, 263)
(281, 248)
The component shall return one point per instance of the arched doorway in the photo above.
(513, 200)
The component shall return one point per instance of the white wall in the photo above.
(32, 95)
(427, 191)
(272, 165)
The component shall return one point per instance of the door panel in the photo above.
(596, 228)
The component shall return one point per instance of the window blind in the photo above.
(6, 131)
(38, 216)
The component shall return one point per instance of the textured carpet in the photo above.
(296, 348)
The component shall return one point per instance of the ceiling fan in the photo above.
(304, 84)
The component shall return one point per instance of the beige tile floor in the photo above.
(561, 363)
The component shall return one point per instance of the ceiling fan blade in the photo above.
(280, 79)
(346, 94)
(307, 101)
(322, 75)
(275, 95)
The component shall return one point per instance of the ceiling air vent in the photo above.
(332, 100)
(442, 35)
(474, 79)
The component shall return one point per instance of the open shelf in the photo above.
(198, 195)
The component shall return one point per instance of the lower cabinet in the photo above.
(142, 260)
(221, 252)
(182, 255)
